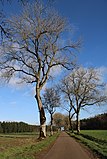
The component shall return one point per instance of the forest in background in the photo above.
(98, 122)
(17, 127)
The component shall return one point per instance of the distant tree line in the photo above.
(17, 127)
(98, 122)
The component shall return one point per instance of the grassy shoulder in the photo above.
(95, 140)
(27, 150)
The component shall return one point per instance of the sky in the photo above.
(89, 18)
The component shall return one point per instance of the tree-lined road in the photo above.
(67, 148)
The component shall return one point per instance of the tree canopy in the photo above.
(34, 46)
(83, 87)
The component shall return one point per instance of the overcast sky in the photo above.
(89, 18)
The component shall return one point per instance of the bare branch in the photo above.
(35, 47)
(83, 87)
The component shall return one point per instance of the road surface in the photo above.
(66, 147)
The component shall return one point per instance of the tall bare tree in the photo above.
(51, 100)
(66, 101)
(66, 122)
(58, 120)
(34, 47)
(3, 30)
(83, 87)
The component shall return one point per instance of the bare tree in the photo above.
(66, 122)
(35, 46)
(58, 120)
(68, 107)
(3, 30)
(83, 87)
(66, 102)
(51, 100)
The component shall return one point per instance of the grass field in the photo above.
(99, 134)
(22, 146)
(96, 140)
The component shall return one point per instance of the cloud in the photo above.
(1, 50)
(106, 89)
(26, 94)
(15, 47)
(13, 103)
(102, 69)
(55, 71)
(30, 91)
(44, 87)
(16, 83)
(103, 73)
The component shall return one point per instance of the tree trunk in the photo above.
(78, 124)
(70, 123)
(42, 115)
(51, 126)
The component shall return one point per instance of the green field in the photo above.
(22, 145)
(96, 140)
(98, 134)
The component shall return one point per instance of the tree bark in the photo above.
(42, 114)
(51, 126)
(70, 122)
(78, 123)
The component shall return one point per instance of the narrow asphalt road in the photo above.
(67, 148)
